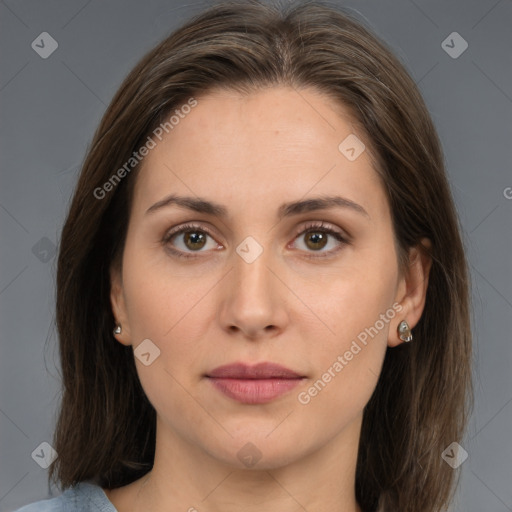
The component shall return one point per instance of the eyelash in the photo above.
(320, 227)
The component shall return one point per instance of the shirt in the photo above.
(83, 497)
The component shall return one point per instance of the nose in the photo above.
(254, 302)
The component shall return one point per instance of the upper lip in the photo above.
(263, 370)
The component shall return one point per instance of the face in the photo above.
(247, 265)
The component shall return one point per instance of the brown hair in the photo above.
(106, 427)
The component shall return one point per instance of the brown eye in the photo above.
(189, 239)
(316, 240)
(194, 240)
(320, 240)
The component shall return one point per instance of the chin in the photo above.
(256, 450)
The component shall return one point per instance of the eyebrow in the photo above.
(285, 210)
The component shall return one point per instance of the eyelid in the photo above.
(188, 226)
(321, 225)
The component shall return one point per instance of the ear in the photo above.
(412, 290)
(117, 300)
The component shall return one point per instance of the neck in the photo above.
(186, 478)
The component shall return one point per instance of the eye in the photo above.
(189, 238)
(318, 236)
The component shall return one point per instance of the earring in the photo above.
(117, 329)
(404, 331)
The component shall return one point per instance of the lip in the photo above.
(254, 384)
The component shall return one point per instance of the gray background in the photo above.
(50, 108)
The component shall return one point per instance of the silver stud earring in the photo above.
(117, 329)
(404, 331)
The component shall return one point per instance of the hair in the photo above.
(105, 430)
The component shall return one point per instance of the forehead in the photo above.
(293, 114)
(273, 141)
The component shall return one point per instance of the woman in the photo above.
(262, 291)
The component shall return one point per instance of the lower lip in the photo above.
(254, 391)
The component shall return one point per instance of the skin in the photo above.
(251, 154)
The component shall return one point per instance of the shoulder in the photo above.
(84, 497)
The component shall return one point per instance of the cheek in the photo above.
(174, 314)
(347, 369)
(172, 310)
(158, 294)
(352, 298)
(349, 349)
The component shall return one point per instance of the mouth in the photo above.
(257, 384)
